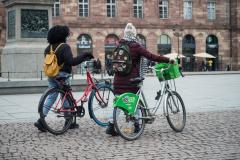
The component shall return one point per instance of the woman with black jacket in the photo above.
(57, 38)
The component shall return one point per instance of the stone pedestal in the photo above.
(28, 22)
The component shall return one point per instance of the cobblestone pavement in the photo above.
(207, 135)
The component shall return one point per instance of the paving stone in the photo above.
(207, 135)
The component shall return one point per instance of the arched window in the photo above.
(164, 44)
(141, 39)
(111, 42)
(188, 49)
(84, 44)
(212, 40)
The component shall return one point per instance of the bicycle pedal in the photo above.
(80, 111)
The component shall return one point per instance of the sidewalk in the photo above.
(200, 94)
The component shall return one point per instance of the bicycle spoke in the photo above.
(55, 118)
(176, 114)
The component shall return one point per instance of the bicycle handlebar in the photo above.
(86, 63)
(161, 70)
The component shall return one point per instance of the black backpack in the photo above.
(122, 60)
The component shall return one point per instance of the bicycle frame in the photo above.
(129, 101)
(84, 97)
(163, 98)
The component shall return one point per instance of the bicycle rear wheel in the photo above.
(54, 120)
(100, 104)
(176, 113)
(129, 127)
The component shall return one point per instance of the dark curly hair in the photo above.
(58, 34)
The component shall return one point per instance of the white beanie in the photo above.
(130, 30)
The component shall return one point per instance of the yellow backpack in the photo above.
(51, 67)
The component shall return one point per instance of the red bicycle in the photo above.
(58, 108)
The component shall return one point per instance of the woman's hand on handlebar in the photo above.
(88, 57)
(172, 61)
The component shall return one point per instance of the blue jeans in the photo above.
(53, 83)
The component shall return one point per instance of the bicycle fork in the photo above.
(166, 103)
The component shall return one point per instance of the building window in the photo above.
(111, 8)
(163, 9)
(211, 10)
(56, 8)
(164, 44)
(141, 40)
(83, 8)
(138, 8)
(187, 9)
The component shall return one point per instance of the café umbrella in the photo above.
(174, 55)
(204, 55)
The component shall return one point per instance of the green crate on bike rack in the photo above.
(171, 73)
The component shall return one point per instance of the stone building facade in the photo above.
(164, 26)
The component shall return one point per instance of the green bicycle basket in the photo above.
(171, 73)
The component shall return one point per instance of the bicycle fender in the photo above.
(127, 102)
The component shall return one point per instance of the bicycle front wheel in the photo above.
(176, 113)
(50, 108)
(100, 104)
(130, 127)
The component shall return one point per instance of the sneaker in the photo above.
(111, 130)
(74, 126)
(137, 127)
(40, 126)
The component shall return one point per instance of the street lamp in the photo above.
(177, 29)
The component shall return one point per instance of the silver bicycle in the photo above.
(131, 111)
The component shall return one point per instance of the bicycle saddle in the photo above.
(136, 80)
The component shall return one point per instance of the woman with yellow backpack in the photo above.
(58, 63)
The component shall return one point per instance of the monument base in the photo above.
(23, 59)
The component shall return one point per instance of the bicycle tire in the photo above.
(181, 111)
(98, 111)
(55, 122)
(129, 132)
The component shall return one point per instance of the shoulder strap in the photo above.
(58, 47)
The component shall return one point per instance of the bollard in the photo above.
(8, 76)
(41, 77)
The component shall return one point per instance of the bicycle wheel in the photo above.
(176, 113)
(54, 120)
(129, 127)
(100, 104)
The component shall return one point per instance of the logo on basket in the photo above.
(128, 99)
